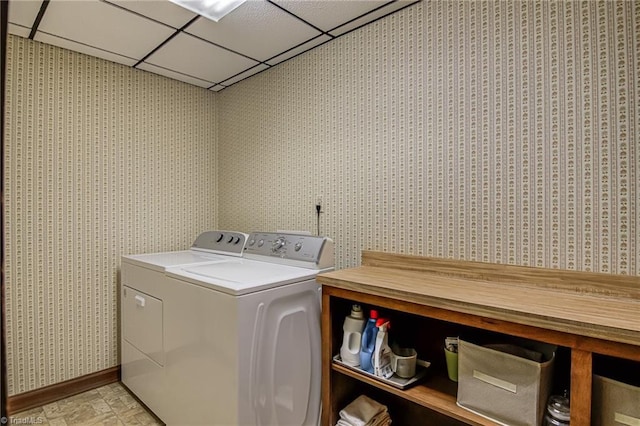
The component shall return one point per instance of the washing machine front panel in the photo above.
(285, 364)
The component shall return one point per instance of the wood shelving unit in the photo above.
(438, 396)
(599, 315)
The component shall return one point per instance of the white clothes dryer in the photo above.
(144, 301)
(208, 246)
(243, 337)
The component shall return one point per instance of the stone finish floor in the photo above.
(107, 405)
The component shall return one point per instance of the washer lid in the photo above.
(241, 276)
(161, 261)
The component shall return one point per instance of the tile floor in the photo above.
(108, 405)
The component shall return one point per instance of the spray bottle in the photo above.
(382, 351)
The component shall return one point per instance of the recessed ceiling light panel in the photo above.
(211, 9)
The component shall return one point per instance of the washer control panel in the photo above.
(295, 249)
(223, 242)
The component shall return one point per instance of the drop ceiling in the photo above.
(163, 38)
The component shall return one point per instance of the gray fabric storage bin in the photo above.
(503, 387)
(614, 403)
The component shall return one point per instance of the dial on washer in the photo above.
(278, 244)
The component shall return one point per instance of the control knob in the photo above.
(278, 244)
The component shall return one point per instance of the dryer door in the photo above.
(142, 323)
(286, 360)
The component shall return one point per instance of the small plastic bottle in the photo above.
(352, 337)
(368, 342)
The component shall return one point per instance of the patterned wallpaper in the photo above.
(492, 131)
(101, 160)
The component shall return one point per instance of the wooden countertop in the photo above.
(590, 304)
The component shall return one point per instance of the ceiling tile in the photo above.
(24, 12)
(303, 48)
(104, 26)
(174, 75)
(82, 48)
(256, 29)
(189, 55)
(329, 14)
(390, 8)
(160, 10)
(247, 73)
(18, 30)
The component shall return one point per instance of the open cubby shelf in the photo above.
(427, 299)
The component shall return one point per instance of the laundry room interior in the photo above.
(477, 142)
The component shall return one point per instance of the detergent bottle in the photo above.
(368, 342)
(352, 337)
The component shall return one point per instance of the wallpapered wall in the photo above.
(101, 160)
(492, 131)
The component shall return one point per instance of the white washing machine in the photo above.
(145, 299)
(243, 336)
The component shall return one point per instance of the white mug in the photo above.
(403, 361)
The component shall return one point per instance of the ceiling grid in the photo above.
(160, 37)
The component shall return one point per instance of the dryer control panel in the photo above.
(221, 242)
(307, 251)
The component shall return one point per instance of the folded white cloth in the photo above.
(381, 419)
(364, 411)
